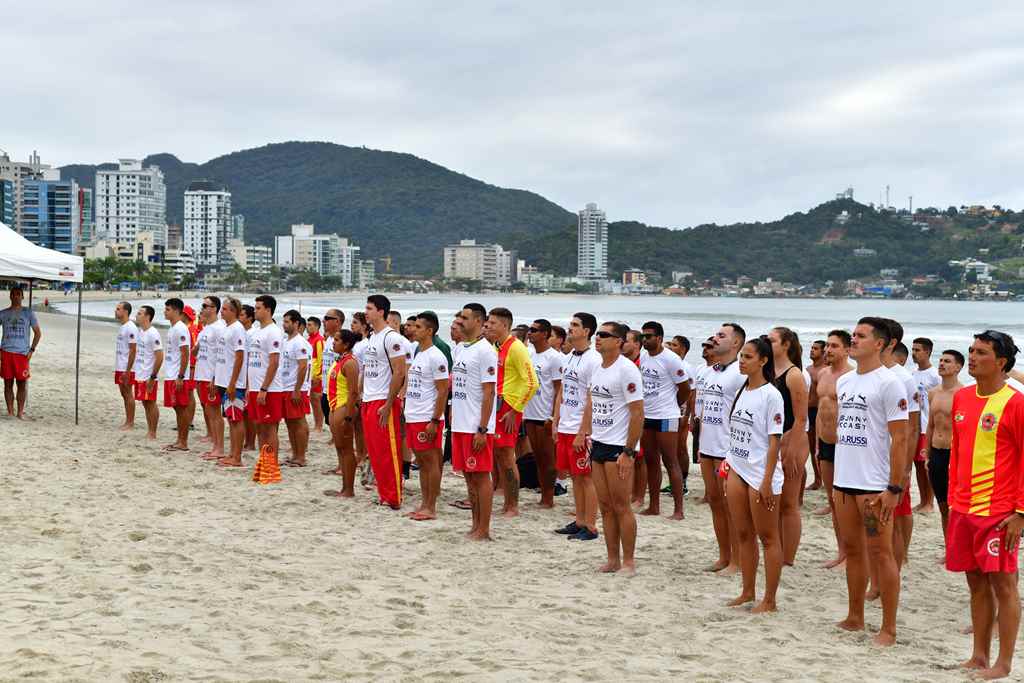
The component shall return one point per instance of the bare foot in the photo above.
(480, 537)
(702, 500)
(628, 568)
(609, 567)
(763, 607)
(997, 671)
(837, 563)
(546, 505)
(884, 639)
(676, 515)
(125, 428)
(336, 470)
(925, 508)
(229, 462)
(424, 516)
(151, 436)
(741, 600)
(650, 512)
(849, 624)
(511, 512)
(205, 439)
(814, 486)
(731, 570)
(975, 662)
(822, 511)
(339, 494)
(25, 418)
(212, 456)
(872, 594)
(717, 566)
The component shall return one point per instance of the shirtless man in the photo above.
(939, 432)
(818, 362)
(927, 378)
(837, 350)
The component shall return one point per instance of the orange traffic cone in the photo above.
(267, 470)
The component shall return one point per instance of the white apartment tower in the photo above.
(592, 244)
(207, 224)
(130, 200)
(488, 263)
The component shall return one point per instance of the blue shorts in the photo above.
(670, 425)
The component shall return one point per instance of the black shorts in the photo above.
(602, 452)
(938, 472)
(855, 492)
(812, 415)
(536, 423)
(695, 442)
(826, 451)
(324, 405)
(705, 456)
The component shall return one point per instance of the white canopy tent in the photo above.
(22, 260)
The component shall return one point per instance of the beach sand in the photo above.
(121, 562)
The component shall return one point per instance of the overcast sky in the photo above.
(675, 116)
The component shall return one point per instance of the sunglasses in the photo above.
(208, 306)
(601, 334)
(330, 317)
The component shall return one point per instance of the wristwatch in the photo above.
(894, 489)
(629, 451)
(152, 377)
(481, 430)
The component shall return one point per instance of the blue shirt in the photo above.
(17, 327)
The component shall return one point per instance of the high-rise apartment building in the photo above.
(592, 244)
(327, 254)
(129, 200)
(207, 224)
(488, 263)
(15, 174)
(51, 215)
(7, 202)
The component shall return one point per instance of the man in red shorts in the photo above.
(986, 498)
(148, 360)
(516, 385)
(16, 352)
(208, 349)
(177, 383)
(474, 373)
(571, 426)
(124, 360)
(265, 401)
(426, 397)
(295, 378)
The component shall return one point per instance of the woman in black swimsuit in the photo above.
(789, 380)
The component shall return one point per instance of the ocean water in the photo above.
(950, 324)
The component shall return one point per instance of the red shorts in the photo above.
(13, 365)
(501, 437)
(465, 459)
(416, 436)
(177, 398)
(119, 375)
(568, 459)
(973, 543)
(921, 454)
(270, 412)
(902, 508)
(203, 389)
(142, 394)
(292, 411)
(316, 387)
(233, 411)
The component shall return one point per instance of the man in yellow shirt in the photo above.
(516, 385)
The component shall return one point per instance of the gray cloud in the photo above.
(674, 115)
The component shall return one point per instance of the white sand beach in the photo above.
(124, 563)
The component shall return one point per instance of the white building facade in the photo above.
(130, 200)
(490, 264)
(329, 255)
(592, 244)
(206, 223)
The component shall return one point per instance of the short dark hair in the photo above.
(959, 357)
(360, 316)
(268, 302)
(901, 350)
(249, 311)
(618, 329)
(175, 303)
(879, 328)
(431, 319)
(411, 318)
(215, 300)
(588, 321)
(843, 335)
(348, 337)
(544, 325)
(293, 315)
(502, 313)
(558, 331)
(925, 343)
(395, 313)
(126, 306)
(478, 310)
(820, 343)
(636, 334)
(315, 320)
(895, 329)
(682, 341)
(148, 310)
(737, 329)
(659, 331)
(380, 302)
(1002, 345)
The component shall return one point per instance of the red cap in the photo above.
(189, 313)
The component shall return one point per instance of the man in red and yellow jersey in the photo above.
(986, 498)
(316, 371)
(517, 383)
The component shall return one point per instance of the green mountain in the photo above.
(389, 204)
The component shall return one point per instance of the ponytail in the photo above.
(794, 352)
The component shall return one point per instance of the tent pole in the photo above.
(30, 283)
(78, 349)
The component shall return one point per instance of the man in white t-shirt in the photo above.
(148, 361)
(539, 411)
(295, 380)
(177, 384)
(903, 516)
(615, 404)
(384, 370)
(426, 396)
(209, 343)
(871, 448)
(474, 375)
(666, 390)
(230, 379)
(927, 378)
(722, 381)
(124, 360)
(265, 400)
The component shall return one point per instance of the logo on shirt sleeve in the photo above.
(441, 368)
(131, 336)
(631, 388)
(490, 369)
(777, 419)
(276, 343)
(397, 347)
(902, 405)
(679, 372)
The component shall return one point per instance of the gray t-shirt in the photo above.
(17, 329)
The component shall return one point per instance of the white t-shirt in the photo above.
(296, 349)
(757, 415)
(718, 393)
(576, 371)
(381, 348)
(548, 366)
(699, 375)
(661, 374)
(127, 335)
(926, 381)
(909, 386)
(178, 337)
(420, 391)
(145, 353)
(867, 404)
(263, 343)
(612, 389)
(209, 350)
(473, 366)
(359, 350)
(232, 339)
(410, 348)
